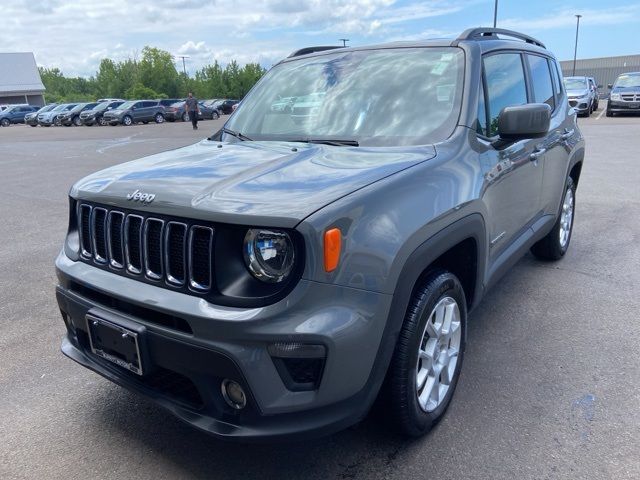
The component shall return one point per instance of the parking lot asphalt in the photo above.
(549, 386)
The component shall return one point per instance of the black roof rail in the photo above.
(307, 50)
(492, 33)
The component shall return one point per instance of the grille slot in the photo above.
(200, 244)
(85, 230)
(115, 223)
(153, 248)
(133, 243)
(174, 253)
(98, 234)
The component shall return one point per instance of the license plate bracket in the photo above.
(117, 341)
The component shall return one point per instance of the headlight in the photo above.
(269, 254)
(616, 96)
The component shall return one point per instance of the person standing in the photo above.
(193, 109)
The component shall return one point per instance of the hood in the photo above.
(578, 93)
(258, 183)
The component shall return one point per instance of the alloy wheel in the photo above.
(438, 354)
(566, 218)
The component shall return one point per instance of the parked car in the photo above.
(15, 114)
(72, 116)
(94, 116)
(102, 100)
(135, 111)
(177, 111)
(581, 95)
(31, 119)
(278, 277)
(225, 107)
(625, 94)
(49, 118)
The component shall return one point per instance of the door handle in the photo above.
(537, 153)
(567, 134)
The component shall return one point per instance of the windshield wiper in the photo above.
(233, 133)
(329, 141)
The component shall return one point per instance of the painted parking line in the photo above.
(604, 109)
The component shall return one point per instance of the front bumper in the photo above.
(88, 120)
(623, 107)
(580, 104)
(232, 343)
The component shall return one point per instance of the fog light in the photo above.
(233, 394)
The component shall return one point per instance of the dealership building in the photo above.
(605, 70)
(20, 80)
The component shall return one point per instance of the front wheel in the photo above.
(159, 118)
(185, 117)
(102, 122)
(215, 115)
(428, 357)
(556, 243)
(127, 120)
(76, 121)
(5, 122)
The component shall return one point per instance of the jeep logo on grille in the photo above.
(141, 197)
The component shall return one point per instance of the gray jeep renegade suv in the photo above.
(279, 277)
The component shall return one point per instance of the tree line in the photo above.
(154, 75)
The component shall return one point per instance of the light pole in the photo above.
(344, 41)
(575, 50)
(495, 14)
(184, 67)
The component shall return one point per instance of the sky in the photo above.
(75, 35)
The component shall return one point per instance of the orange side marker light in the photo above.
(332, 247)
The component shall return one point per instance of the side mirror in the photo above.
(609, 86)
(524, 121)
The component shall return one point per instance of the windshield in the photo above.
(575, 83)
(60, 107)
(627, 81)
(101, 106)
(46, 108)
(126, 105)
(399, 96)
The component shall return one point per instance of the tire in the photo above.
(127, 120)
(609, 113)
(556, 243)
(102, 122)
(5, 122)
(185, 117)
(439, 292)
(215, 115)
(159, 118)
(76, 121)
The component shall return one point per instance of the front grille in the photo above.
(173, 253)
(631, 97)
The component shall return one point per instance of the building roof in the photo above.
(19, 73)
(624, 61)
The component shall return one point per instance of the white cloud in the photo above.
(75, 36)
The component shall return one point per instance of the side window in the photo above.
(541, 79)
(481, 125)
(556, 81)
(559, 75)
(505, 85)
